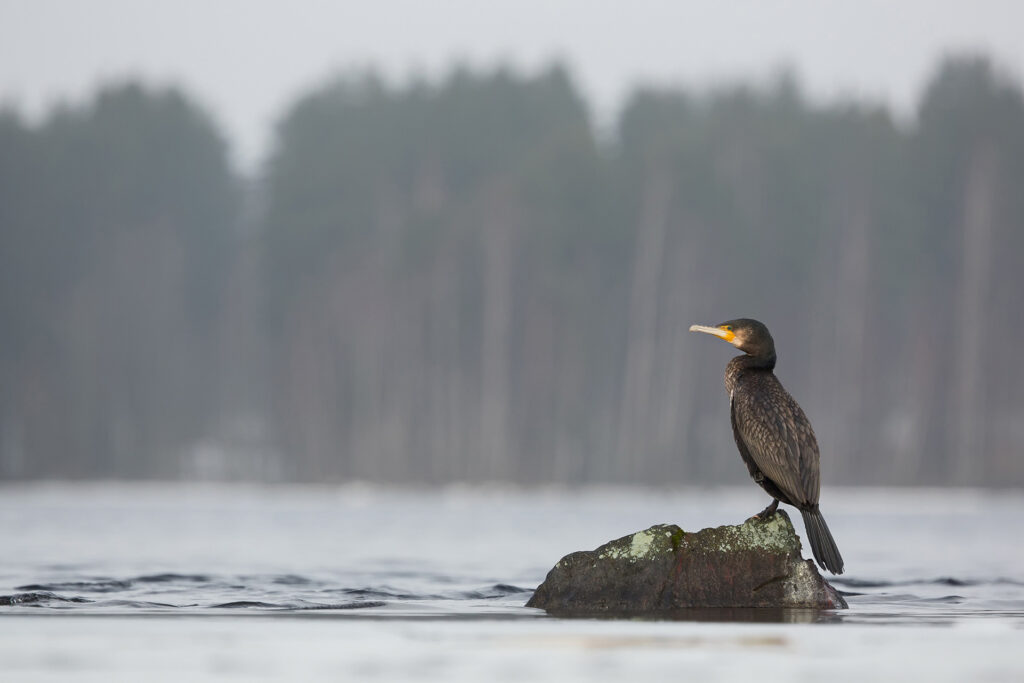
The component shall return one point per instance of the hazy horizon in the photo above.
(246, 61)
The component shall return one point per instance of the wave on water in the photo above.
(940, 581)
(404, 592)
(246, 604)
(38, 598)
(283, 592)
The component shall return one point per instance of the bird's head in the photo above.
(747, 335)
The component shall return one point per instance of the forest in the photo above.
(462, 279)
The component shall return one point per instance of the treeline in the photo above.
(117, 221)
(459, 280)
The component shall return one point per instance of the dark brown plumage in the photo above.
(774, 437)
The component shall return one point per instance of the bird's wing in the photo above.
(755, 471)
(783, 449)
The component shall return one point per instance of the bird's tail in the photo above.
(822, 544)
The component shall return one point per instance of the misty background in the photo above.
(485, 271)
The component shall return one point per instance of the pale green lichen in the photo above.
(641, 545)
(772, 535)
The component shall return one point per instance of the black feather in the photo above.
(823, 546)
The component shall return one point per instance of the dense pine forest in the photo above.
(463, 279)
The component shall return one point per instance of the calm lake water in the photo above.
(207, 582)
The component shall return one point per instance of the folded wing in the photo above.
(776, 438)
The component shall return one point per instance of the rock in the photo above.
(754, 564)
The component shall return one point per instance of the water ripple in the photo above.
(38, 598)
(274, 592)
(387, 593)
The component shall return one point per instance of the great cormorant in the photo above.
(772, 433)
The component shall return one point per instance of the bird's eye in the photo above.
(728, 328)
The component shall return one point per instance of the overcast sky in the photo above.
(246, 59)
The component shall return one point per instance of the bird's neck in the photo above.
(747, 363)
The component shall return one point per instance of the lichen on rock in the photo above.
(640, 546)
(663, 568)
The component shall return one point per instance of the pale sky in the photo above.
(245, 60)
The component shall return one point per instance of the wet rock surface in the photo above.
(663, 568)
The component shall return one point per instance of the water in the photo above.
(201, 582)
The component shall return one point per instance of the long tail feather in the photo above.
(822, 544)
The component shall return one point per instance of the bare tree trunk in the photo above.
(848, 354)
(971, 438)
(642, 331)
(497, 317)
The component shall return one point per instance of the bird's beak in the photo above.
(727, 335)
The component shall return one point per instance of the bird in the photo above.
(772, 433)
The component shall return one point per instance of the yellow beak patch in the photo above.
(727, 335)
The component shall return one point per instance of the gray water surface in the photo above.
(301, 583)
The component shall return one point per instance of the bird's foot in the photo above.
(767, 512)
